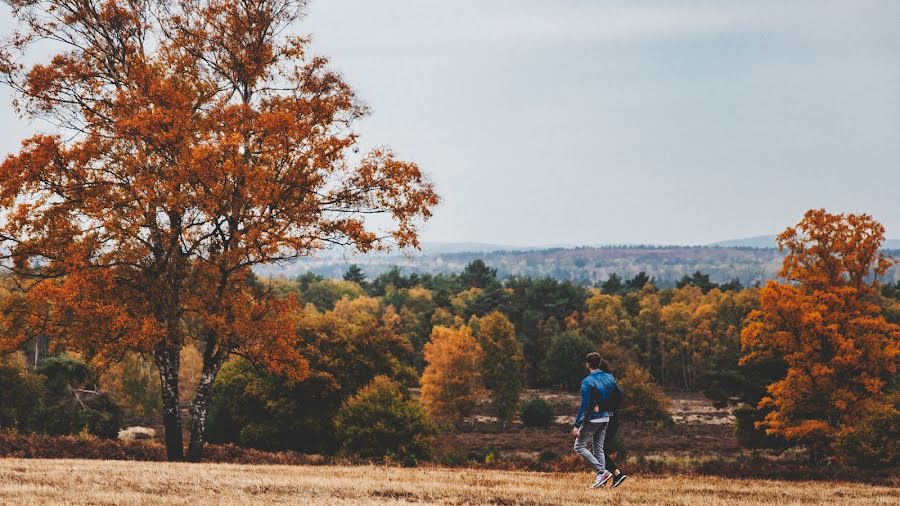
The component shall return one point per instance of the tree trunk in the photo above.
(37, 350)
(200, 406)
(168, 361)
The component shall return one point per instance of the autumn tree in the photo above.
(325, 293)
(840, 351)
(193, 140)
(415, 307)
(346, 348)
(503, 363)
(452, 379)
(606, 320)
(133, 383)
(648, 330)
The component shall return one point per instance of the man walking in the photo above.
(590, 424)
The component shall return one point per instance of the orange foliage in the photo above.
(451, 382)
(840, 350)
(196, 141)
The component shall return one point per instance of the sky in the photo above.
(582, 122)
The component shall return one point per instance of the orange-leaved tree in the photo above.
(192, 141)
(840, 351)
(452, 380)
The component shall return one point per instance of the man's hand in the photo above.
(576, 431)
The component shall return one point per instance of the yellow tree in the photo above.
(675, 350)
(451, 383)
(503, 363)
(823, 321)
(195, 140)
(606, 320)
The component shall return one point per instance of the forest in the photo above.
(391, 360)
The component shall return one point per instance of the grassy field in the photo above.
(110, 482)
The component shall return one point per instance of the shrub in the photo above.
(257, 409)
(644, 401)
(73, 403)
(61, 399)
(548, 456)
(381, 421)
(20, 398)
(872, 441)
(40, 446)
(537, 413)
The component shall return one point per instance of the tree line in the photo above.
(810, 360)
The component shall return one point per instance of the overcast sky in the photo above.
(626, 121)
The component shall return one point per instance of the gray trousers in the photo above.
(592, 434)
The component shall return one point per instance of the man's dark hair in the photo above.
(593, 360)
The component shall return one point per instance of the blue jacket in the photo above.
(596, 387)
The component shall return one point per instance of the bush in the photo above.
(537, 413)
(81, 446)
(872, 440)
(73, 404)
(61, 399)
(548, 456)
(644, 401)
(381, 421)
(257, 409)
(40, 446)
(20, 399)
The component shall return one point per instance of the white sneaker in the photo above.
(601, 480)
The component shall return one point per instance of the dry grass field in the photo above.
(132, 483)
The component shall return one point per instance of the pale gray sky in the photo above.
(623, 121)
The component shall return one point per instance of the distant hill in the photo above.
(588, 265)
(768, 241)
(746, 262)
(760, 241)
(471, 247)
